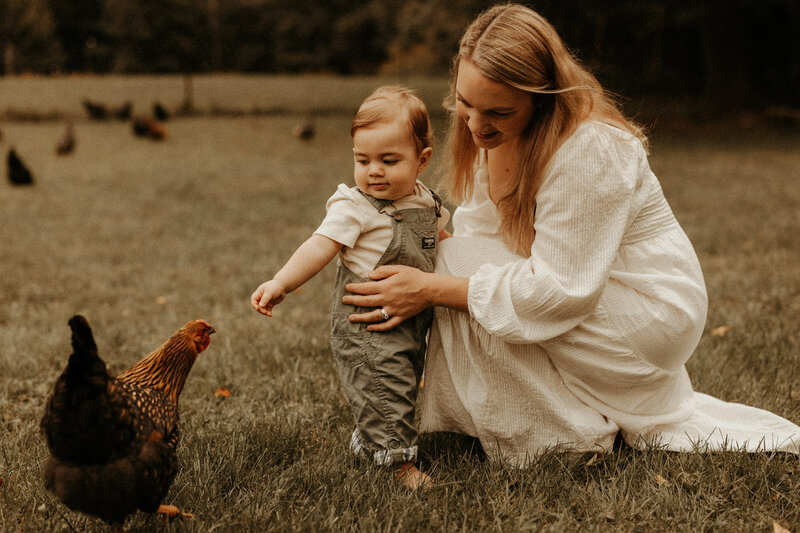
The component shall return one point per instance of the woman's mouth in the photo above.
(486, 136)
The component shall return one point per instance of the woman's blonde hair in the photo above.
(382, 105)
(513, 44)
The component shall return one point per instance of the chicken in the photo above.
(95, 110)
(160, 113)
(66, 145)
(124, 111)
(304, 130)
(18, 173)
(112, 440)
(150, 128)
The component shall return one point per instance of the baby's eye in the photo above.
(389, 161)
(362, 161)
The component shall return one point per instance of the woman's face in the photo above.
(494, 112)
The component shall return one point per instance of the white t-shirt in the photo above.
(364, 232)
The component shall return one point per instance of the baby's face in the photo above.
(386, 160)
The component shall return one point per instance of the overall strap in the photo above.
(437, 201)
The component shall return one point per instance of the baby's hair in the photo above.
(382, 107)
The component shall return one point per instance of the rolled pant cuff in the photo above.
(383, 457)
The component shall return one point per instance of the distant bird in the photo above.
(67, 143)
(160, 113)
(112, 440)
(124, 111)
(304, 130)
(149, 128)
(96, 110)
(18, 173)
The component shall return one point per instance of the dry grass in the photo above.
(140, 237)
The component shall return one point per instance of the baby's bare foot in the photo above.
(412, 477)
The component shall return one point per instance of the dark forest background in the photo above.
(735, 53)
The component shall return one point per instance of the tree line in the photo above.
(731, 52)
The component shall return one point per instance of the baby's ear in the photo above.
(424, 159)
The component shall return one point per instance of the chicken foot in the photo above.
(170, 512)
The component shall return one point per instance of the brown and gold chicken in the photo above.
(112, 439)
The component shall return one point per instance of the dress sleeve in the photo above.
(583, 208)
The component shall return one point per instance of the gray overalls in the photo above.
(380, 371)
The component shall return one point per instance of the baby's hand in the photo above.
(267, 295)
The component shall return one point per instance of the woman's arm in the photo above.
(403, 292)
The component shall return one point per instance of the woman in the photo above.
(569, 298)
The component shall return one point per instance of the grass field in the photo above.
(141, 237)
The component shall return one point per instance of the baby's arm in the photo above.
(444, 234)
(305, 263)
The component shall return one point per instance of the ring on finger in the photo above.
(384, 314)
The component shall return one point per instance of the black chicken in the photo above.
(95, 110)
(112, 440)
(18, 173)
(304, 130)
(124, 111)
(160, 113)
(66, 145)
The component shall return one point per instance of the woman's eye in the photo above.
(499, 114)
(462, 101)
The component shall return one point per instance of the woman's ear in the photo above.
(424, 159)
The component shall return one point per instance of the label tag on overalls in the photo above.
(428, 243)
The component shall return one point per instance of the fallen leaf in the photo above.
(777, 528)
(721, 331)
(222, 391)
(161, 300)
(661, 480)
(592, 460)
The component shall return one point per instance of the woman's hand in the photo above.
(401, 292)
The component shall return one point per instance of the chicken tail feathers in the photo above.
(84, 420)
(82, 338)
(85, 366)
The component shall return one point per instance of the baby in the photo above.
(389, 217)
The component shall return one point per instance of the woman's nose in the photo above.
(473, 119)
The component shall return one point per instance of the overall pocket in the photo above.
(349, 341)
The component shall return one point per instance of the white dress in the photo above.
(590, 334)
